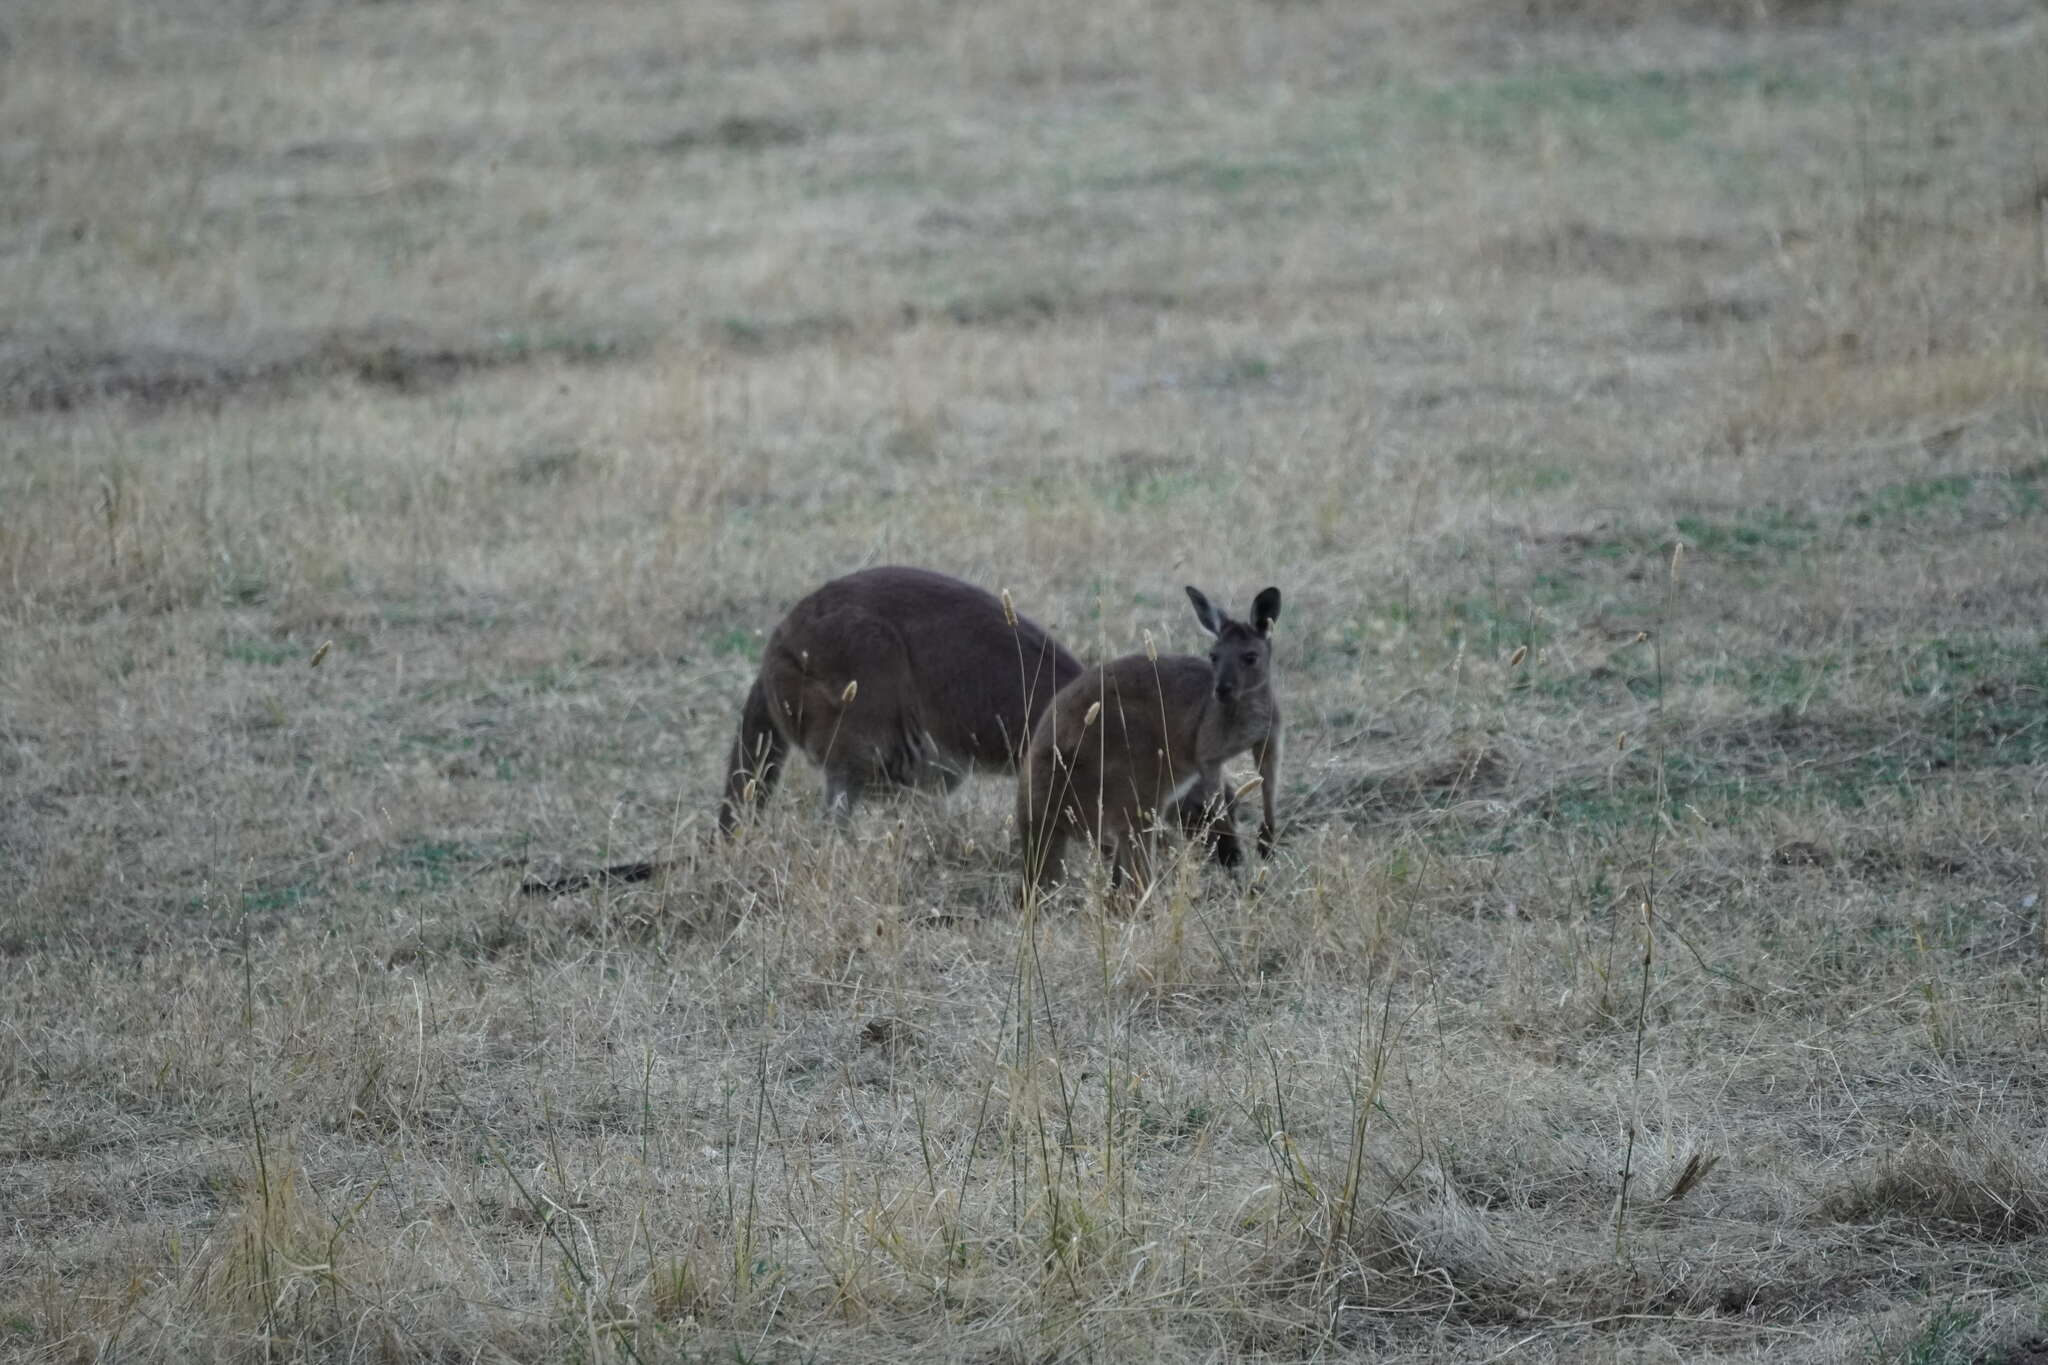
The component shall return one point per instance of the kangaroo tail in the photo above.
(566, 882)
(756, 762)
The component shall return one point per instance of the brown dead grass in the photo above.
(412, 418)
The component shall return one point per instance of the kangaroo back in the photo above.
(895, 677)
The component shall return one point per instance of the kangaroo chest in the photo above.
(1228, 730)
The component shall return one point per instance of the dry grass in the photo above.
(1670, 990)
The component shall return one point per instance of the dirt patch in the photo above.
(1802, 853)
(735, 133)
(1717, 13)
(772, 336)
(2031, 202)
(1469, 772)
(1870, 746)
(1704, 309)
(1030, 309)
(61, 373)
(1003, 310)
(1578, 248)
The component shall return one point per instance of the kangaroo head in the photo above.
(1242, 654)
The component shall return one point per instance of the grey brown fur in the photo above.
(1162, 733)
(943, 683)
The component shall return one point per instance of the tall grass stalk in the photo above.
(1648, 900)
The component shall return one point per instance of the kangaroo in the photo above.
(1126, 741)
(892, 677)
(887, 677)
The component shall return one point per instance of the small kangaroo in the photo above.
(1128, 740)
(892, 677)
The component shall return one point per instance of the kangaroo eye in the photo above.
(1248, 658)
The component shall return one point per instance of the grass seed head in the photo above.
(1009, 610)
(852, 690)
(320, 654)
(1094, 710)
(1698, 1166)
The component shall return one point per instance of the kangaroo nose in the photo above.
(1224, 690)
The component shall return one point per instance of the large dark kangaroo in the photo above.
(886, 677)
(892, 677)
(1124, 742)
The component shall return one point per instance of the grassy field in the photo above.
(414, 415)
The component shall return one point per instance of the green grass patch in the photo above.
(1002, 308)
(1502, 114)
(571, 673)
(1511, 472)
(1348, 641)
(1766, 531)
(765, 336)
(276, 898)
(1637, 107)
(1158, 489)
(1553, 589)
(1243, 369)
(578, 348)
(1942, 1340)
(1695, 786)
(1854, 783)
(1220, 178)
(433, 864)
(2017, 495)
(1601, 686)
(1844, 762)
(1985, 701)
(1612, 549)
(241, 585)
(1492, 624)
(1535, 478)
(1913, 498)
(1776, 682)
(264, 653)
(1617, 805)
(443, 743)
(736, 642)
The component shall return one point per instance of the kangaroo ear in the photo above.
(1266, 610)
(1211, 619)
